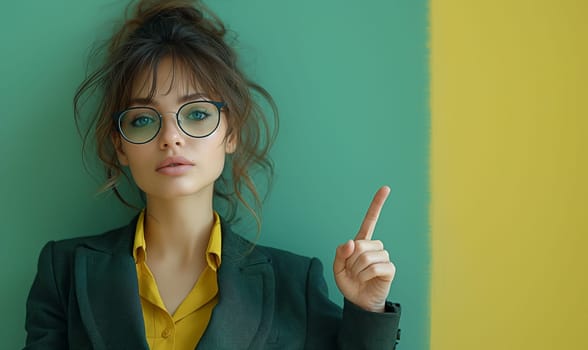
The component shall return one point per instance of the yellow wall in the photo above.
(509, 148)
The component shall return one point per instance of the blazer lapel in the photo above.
(108, 296)
(107, 291)
(243, 316)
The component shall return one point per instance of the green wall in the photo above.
(351, 82)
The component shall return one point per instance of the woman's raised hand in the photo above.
(362, 267)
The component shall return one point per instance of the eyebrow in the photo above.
(183, 99)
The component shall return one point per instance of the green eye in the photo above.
(142, 120)
(197, 115)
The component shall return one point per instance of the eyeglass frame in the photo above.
(117, 118)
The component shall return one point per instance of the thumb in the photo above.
(343, 252)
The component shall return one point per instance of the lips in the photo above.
(173, 162)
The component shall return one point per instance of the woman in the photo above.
(174, 109)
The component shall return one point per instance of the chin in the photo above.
(180, 190)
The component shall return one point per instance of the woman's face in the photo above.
(174, 164)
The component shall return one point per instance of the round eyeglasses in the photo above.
(142, 124)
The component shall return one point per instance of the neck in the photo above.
(178, 228)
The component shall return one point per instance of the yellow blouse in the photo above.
(185, 327)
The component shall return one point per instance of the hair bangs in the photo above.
(189, 74)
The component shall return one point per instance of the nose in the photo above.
(170, 134)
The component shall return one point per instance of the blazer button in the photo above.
(166, 332)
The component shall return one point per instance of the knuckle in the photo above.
(362, 247)
(376, 270)
(392, 268)
(365, 259)
(379, 244)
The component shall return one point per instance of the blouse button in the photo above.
(166, 332)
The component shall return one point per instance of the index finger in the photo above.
(366, 230)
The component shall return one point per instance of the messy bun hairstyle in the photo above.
(195, 40)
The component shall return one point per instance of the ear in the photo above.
(231, 143)
(120, 154)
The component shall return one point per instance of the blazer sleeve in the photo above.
(354, 329)
(46, 323)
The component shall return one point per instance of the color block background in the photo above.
(509, 167)
(351, 81)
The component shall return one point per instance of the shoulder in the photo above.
(284, 256)
(296, 270)
(235, 243)
(288, 266)
(116, 240)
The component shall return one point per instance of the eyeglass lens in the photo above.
(142, 124)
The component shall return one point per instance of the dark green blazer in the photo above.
(85, 296)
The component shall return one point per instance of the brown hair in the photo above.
(195, 39)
